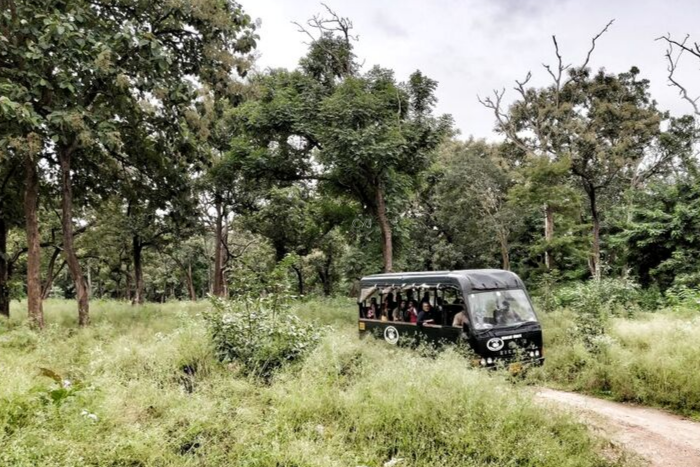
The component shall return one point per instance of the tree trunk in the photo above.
(505, 254)
(127, 284)
(218, 287)
(385, 227)
(76, 272)
(324, 273)
(4, 271)
(548, 234)
(48, 283)
(190, 282)
(594, 260)
(300, 279)
(138, 270)
(31, 206)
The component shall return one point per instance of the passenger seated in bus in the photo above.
(426, 298)
(460, 319)
(371, 312)
(395, 307)
(400, 311)
(411, 314)
(426, 315)
(385, 311)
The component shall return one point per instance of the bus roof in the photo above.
(466, 279)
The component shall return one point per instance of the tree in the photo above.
(376, 138)
(468, 208)
(362, 136)
(602, 123)
(10, 217)
(545, 184)
(662, 241)
(298, 221)
(73, 70)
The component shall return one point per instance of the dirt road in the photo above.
(663, 439)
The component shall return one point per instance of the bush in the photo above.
(680, 297)
(257, 334)
(619, 294)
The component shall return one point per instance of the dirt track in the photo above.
(663, 439)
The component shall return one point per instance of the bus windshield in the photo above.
(500, 308)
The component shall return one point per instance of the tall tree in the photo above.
(10, 217)
(77, 68)
(602, 123)
(376, 138)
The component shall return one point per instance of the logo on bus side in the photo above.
(391, 335)
(495, 344)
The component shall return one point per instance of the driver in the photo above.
(505, 315)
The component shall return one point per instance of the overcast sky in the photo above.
(473, 46)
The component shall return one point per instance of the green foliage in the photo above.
(62, 390)
(256, 330)
(661, 240)
(350, 402)
(594, 302)
(683, 298)
(647, 360)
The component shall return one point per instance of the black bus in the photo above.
(489, 309)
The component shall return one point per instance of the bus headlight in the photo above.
(489, 360)
(531, 353)
(483, 362)
(537, 353)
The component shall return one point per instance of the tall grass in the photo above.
(653, 359)
(152, 394)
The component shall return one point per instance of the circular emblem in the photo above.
(494, 344)
(391, 335)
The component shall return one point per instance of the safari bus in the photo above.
(489, 309)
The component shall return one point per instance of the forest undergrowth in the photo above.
(143, 387)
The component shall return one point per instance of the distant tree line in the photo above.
(144, 158)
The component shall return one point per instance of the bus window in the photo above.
(500, 308)
(369, 305)
(453, 303)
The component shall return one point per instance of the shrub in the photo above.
(619, 294)
(257, 334)
(681, 297)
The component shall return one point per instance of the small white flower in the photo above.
(89, 415)
(66, 384)
(393, 462)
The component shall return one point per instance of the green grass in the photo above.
(350, 403)
(653, 359)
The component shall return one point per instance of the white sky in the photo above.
(474, 46)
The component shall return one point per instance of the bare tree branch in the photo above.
(593, 43)
(673, 66)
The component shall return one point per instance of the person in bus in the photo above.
(411, 314)
(371, 312)
(400, 311)
(386, 313)
(396, 307)
(505, 315)
(460, 318)
(426, 314)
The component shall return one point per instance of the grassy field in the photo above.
(653, 359)
(142, 388)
